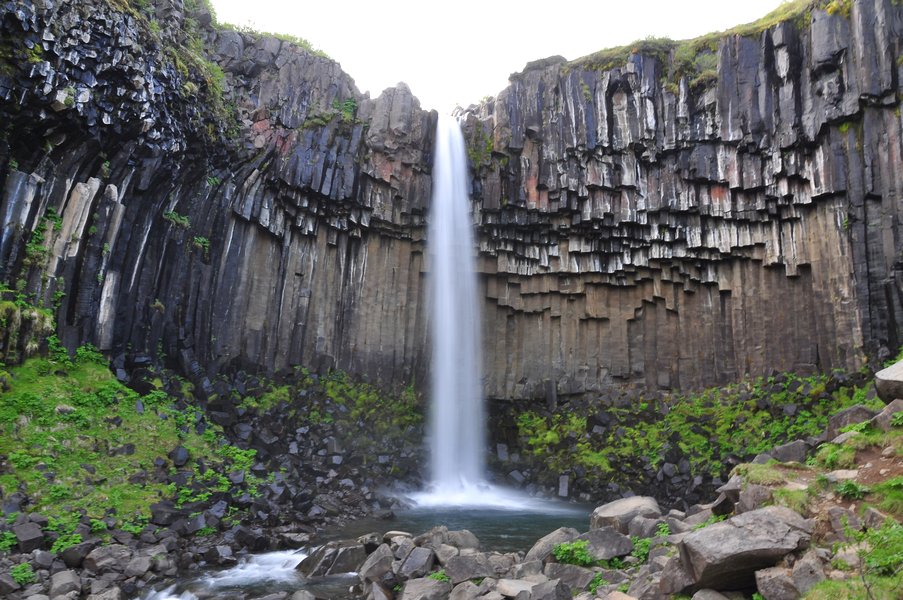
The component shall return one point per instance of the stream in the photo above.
(502, 530)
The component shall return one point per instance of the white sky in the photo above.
(457, 53)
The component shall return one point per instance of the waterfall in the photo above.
(457, 420)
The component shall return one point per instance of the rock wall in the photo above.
(227, 200)
(243, 208)
(637, 228)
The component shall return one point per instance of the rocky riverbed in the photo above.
(778, 527)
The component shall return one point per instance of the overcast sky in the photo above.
(459, 52)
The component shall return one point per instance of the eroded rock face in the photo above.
(629, 231)
(635, 231)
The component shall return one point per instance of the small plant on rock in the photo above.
(23, 574)
(574, 553)
(641, 547)
(7, 541)
(439, 576)
(597, 582)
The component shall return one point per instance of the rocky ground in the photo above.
(778, 530)
(781, 525)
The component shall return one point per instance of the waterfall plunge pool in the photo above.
(502, 529)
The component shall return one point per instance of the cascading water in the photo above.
(457, 418)
(457, 414)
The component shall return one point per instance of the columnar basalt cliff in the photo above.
(232, 200)
(637, 228)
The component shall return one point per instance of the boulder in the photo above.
(794, 451)
(551, 590)
(775, 583)
(882, 419)
(727, 554)
(463, 539)
(466, 590)
(889, 382)
(75, 555)
(29, 536)
(334, 558)
(114, 557)
(576, 578)
(63, 583)
(377, 564)
(468, 566)
(807, 571)
(848, 416)
(138, 566)
(512, 587)
(544, 545)
(113, 593)
(752, 497)
(606, 543)
(418, 563)
(425, 589)
(619, 513)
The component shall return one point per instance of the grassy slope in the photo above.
(76, 441)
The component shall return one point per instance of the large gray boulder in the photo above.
(377, 564)
(114, 557)
(544, 545)
(425, 589)
(882, 420)
(619, 513)
(468, 566)
(29, 536)
(775, 583)
(726, 555)
(418, 563)
(606, 543)
(889, 382)
(334, 558)
(64, 582)
(848, 416)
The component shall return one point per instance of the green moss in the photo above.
(695, 58)
(710, 428)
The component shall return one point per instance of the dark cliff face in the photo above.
(232, 201)
(244, 207)
(636, 228)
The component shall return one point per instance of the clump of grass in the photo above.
(767, 474)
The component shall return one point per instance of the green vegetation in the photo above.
(479, 146)
(70, 417)
(709, 428)
(574, 553)
(850, 490)
(440, 576)
(597, 581)
(880, 556)
(696, 59)
(833, 456)
(23, 574)
(710, 521)
(641, 547)
(345, 111)
(7, 540)
(201, 243)
(177, 219)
